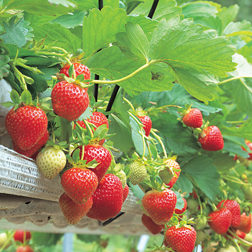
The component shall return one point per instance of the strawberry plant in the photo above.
(148, 96)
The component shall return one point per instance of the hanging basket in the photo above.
(29, 199)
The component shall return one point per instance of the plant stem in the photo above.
(7, 241)
(132, 107)
(246, 243)
(126, 77)
(160, 141)
(231, 79)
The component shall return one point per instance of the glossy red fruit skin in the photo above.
(160, 205)
(147, 124)
(25, 248)
(220, 220)
(245, 225)
(79, 184)
(235, 210)
(193, 118)
(125, 192)
(211, 139)
(107, 199)
(97, 119)
(181, 211)
(78, 68)
(250, 249)
(30, 152)
(72, 211)
(240, 233)
(26, 125)
(249, 144)
(100, 154)
(69, 100)
(151, 225)
(181, 239)
(19, 235)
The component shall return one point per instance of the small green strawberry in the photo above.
(122, 176)
(50, 161)
(200, 222)
(137, 172)
(192, 205)
(201, 235)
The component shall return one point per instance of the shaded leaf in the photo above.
(205, 174)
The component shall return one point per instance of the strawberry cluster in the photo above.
(210, 137)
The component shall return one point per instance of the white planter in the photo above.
(5, 90)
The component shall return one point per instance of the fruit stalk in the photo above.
(7, 241)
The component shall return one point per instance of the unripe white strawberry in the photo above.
(51, 161)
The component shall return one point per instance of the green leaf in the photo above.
(89, 238)
(246, 51)
(137, 139)
(165, 9)
(112, 3)
(51, 8)
(45, 239)
(139, 43)
(14, 95)
(100, 27)
(136, 191)
(26, 97)
(199, 9)
(4, 60)
(205, 174)
(16, 33)
(223, 161)
(211, 23)
(59, 35)
(180, 202)
(233, 145)
(122, 138)
(241, 86)
(238, 28)
(228, 15)
(70, 20)
(244, 131)
(113, 64)
(195, 50)
(184, 184)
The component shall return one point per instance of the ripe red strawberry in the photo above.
(181, 239)
(245, 225)
(160, 205)
(97, 119)
(69, 100)
(151, 225)
(147, 124)
(125, 192)
(107, 199)
(181, 211)
(26, 125)
(193, 118)
(72, 211)
(24, 248)
(22, 235)
(30, 152)
(79, 184)
(234, 208)
(100, 154)
(249, 144)
(78, 68)
(211, 139)
(220, 220)
(240, 234)
(167, 176)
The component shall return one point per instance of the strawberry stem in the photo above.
(10, 236)
(246, 243)
(160, 141)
